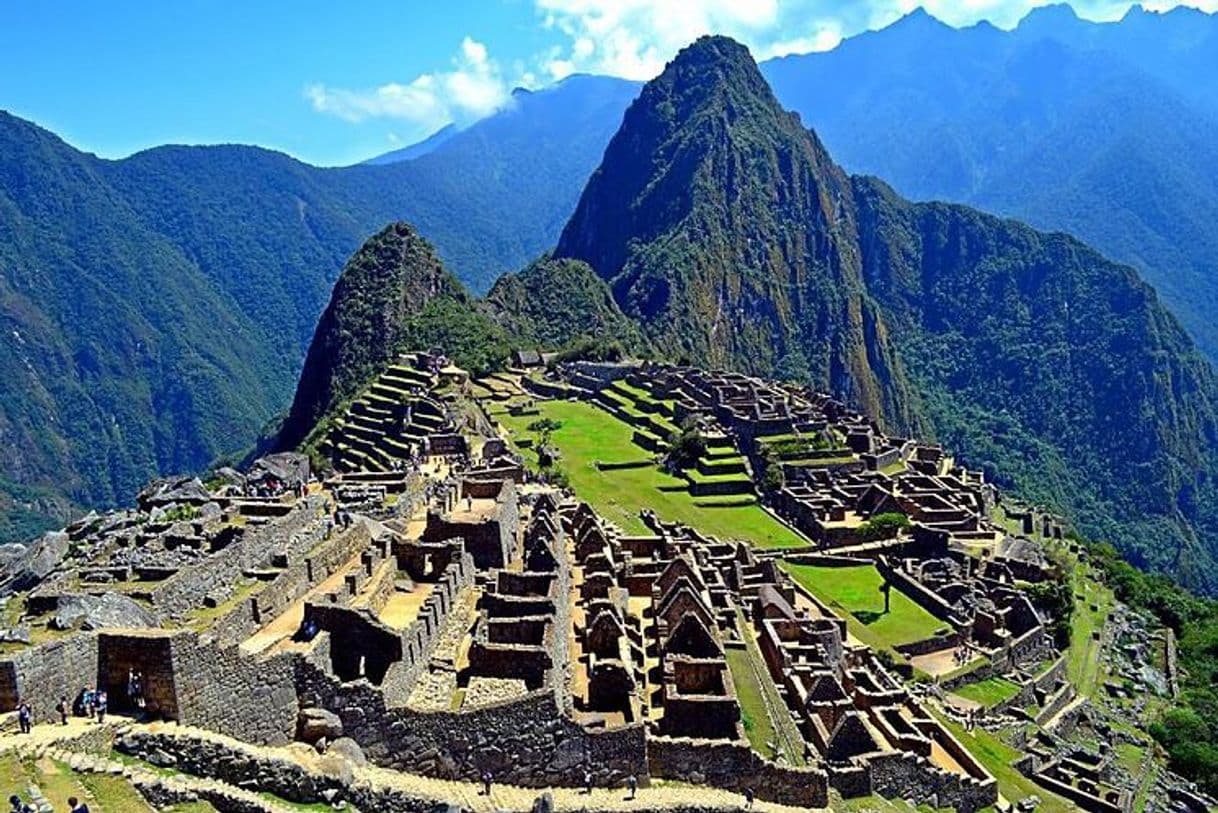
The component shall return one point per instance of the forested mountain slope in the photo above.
(726, 229)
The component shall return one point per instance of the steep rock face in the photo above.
(726, 229)
(393, 278)
(554, 302)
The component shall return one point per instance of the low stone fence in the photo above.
(234, 763)
(736, 766)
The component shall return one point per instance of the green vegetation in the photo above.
(883, 526)
(392, 296)
(754, 715)
(1046, 411)
(767, 722)
(988, 692)
(1188, 728)
(589, 435)
(180, 513)
(561, 303)
(856, 593)
(1093, 604)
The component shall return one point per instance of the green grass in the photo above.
(1083, 660)
(204, 617)
(589, 434)
(855, 591)
(999, 759)
(103, 793)
(757, 695)
(758, 726)
(988, 692)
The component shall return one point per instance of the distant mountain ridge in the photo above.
(428, 145)
(156, 310)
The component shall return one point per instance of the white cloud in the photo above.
(473, 88)
(634, 38)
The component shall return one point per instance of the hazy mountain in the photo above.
(1103, 130)
(420, 148)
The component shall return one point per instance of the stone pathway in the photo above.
(160, 788)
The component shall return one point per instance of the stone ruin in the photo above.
(432, 608)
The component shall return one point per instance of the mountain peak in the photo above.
(1050, 18)
(710, 64)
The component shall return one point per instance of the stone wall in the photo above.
(221, 690)
(300, 576)
(901, 775)
(239, 765)
(294, 534)
(200, 683)
(736, 766)
(41, 674)
(527, 741)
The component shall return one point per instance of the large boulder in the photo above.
(288, 469)
(315, 724)
(29, 567)
(174, 491)
(107, 611)
(349, 750)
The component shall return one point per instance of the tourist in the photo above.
(632, 784)
(588, 782)
(487, 778)
(15, 805)
(748, 798)
(25, 718)
(77, 806)
(139, 690)
(101, 702)
(62, 708)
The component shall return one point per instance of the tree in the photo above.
(883, 526)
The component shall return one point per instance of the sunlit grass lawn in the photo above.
(988, 692)
(589, 434)
(855, 593)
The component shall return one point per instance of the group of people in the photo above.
(89, 703)
(16, 805)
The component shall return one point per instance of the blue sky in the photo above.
(336, 82)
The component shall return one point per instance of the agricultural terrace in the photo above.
(588, 435)
(855, 592)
